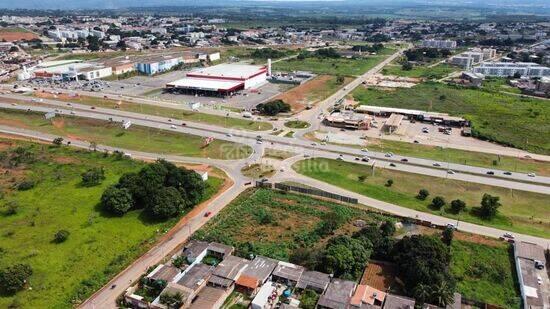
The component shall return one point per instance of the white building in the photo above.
(441, 44)
(505, 69)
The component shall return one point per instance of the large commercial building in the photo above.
(472, 57)
(222, 79)
(71, 70)
(533, 278)
(158, 64)
(505, 69)
(440, 44)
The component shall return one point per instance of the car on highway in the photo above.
(313, 144)
(183, 124)
(357, 159)
(258, 142)
(404, 160)
(229, 135)
(436, 164)
(207, 214)
(416, 142)
(388, 155)
(425, 130)
(508, 235)
(365, 159)
(392, 165)
(531, 175)
(364, 150)
(93, 107)
(451, 226)
(172, 127)
(451, 172)
(507, 173)
(490, 173)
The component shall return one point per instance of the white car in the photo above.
(364, 150)
(172, 126)
(531, 175)
(229, 135)
(259, 142)
(451, 172)
(389, 155)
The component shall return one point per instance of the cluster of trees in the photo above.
(265, 53)
(273, 108)
(423, 265)
(423, 54)
(378, 38)
(374, 48)
(161, 188)
(487, 210)
(14, 278)
(93, 176)
(320, 53)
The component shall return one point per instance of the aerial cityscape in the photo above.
(271, 154)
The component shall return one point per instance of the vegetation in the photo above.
(508, 119)
(308, 299)
(61, 236)
(524, 212)
(135, 138)
(297, 124)
(485, 273)
(258, 170)
(93, 177)
(419, 71)
(14, 278)
(273, 108)
(489, 206)
(99, 246)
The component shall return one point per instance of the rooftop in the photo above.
(368, 295)
(204, 84)
(313, 279)
(231, 267)
(288, 271)
(398, 302)
(229, 70)
(196, 276)
(338, 294)
(194, 248)
(207, 298)
(164, 272)
(529, 251)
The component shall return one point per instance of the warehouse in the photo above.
(158, 64)
(220, 80)
(71, 70)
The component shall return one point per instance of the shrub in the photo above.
(422, 194)
(172, 300)
(117, 201)
(489, 206)
(11, 208)
(57, 141)
(458, 206)
(179, 261)
(93, 176)
(438, 202)
(362, 178)
(273, 108)
(25, 185)
(14, 278)
(389, 183)
(61, 236)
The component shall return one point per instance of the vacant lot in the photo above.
(312, 92)
(508, 119)
(227, 122)
(136, 138)
(99, 245)
(292, 220)
(337, 66)
(16, 34)
(420, 71)
(523, 212)
(485, 273)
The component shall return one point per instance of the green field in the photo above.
(422, 71)
(485, 273)
(507, 119)
(337, 66)
(226, 122)
(294, 220)
(523, 212)
(136, 138)
(498, 84)
(99, 245)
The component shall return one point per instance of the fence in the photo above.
(316, 192)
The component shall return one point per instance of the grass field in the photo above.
(508, 119)
(437, 153)
(136, 138)
(523, 212)
(297, 124)
(339, 66)
(498, 84)
(312, 92)
(478, 269)
(294, 219)
(422, 71)
(227, 122)
(99, 245)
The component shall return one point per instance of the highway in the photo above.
(516, 181)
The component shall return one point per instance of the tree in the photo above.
(273, 108)
(447, 236)
(458, 205)
(57, 141)
(14, 278)
(340, 79)
(345, 257)
(438, 202)
(422, 292)
(93, 176)
(164, 203)
(308, 299)
(117, 200)
(61, 236)
(422, 194)
(489, 206)
(387, 228)
(171, 300)
(443, 294)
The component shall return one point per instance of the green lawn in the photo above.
(485, 273)
(523, 212)
(294, 219)
(297, 124)
(226, 122)
(508, 119)
(498, 84)
(136, 138)
(99, 245)
(422, 71)
(339, 66)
